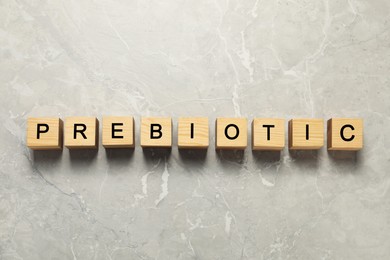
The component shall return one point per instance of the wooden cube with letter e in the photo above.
(118, 132)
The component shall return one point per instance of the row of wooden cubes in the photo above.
(193, 133)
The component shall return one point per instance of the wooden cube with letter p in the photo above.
(81, 132)
(345, 134)
(118, 132)
(44, 133)
(156, 132)
(231, 133)
(306, 134)
(268, 134)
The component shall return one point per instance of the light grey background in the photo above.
(249, 58)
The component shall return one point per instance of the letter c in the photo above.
(342, 133)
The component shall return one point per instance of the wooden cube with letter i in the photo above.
(193, 132)
(306, 134)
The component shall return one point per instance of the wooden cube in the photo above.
(231, 133)
(44, 133)
(118, 132)
(345, 134)
(193, 132)
(81, 132)
(156, 132)
(268, 134)
(306, 134)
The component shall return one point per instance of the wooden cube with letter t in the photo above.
(306, 134)
(231, 133)
(118, 132)
(268, 134)
(156, 132)
(44, 133)
(81, 132)
(345, 134)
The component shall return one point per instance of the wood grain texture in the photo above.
(126, 132)
(260, 140)
(166, 130)
(200, 138)
(335, 141)
(221, 140)
(51, 140)
(91, 133)
(297, 134)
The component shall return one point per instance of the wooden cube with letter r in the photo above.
(81, 132)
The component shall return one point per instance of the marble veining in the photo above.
(251, 58)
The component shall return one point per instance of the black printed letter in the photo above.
(113, 130)
(232, 137)
(152, 131)
(75, 130)
(307, 132)
(39, 131)
(269, 131)
(192, 130)
(342, 133)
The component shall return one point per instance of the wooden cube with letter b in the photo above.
(81, 132)
(345, 134)
(44, 133)
(193, 132)
(156, 132)
(118, 132)
(268, 134)
(306, 134)
(231, 133)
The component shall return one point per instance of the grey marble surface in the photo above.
(252, 58)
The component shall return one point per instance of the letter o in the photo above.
(237, 131)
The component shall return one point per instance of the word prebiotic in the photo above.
(193, 133)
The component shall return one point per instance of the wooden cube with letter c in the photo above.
(81, 132)
(118, 132)
(345, 134)
(231, 133)
(44, 133)
(156, 132)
